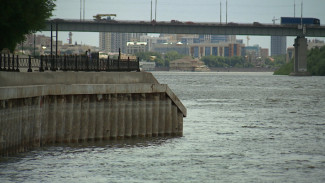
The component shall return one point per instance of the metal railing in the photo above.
(14, 63)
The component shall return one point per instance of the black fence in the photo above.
(15, 63)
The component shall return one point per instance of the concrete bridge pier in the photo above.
(300, 62)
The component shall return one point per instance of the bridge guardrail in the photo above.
(14, 63)
(216, 23)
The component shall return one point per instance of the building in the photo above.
(253, 50)
(172, 38)
(187, 64)
(38, 44)
(206, 38)
(41, 44)
(167, 47)
(219, 49)
(112, 42)
(147, 66)
(135, 47)
(105, 42)
(135, 37)
(189, 39)
(39, 40)
(315, 43)
(264, 53)
(76, 49)
(278, 45)
(152, 41)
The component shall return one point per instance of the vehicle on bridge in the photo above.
(189, 23)
(257, 24)
(297, 21)
(176, 22)
(109, 17)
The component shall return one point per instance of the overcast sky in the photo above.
(240, 11)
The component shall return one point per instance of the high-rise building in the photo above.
(216, 38)
(136, 37)
(278, 45)
(112, 42)
(105, 42)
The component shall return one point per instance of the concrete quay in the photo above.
(39, 109)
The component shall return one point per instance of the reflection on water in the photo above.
(241, 127)
(90, 146)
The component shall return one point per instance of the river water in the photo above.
(241, 127)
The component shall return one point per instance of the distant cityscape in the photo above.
(195, 46)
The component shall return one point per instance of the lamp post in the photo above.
(22, 47)
(151, 12)
(34, 44)
(43, 49)
(156, 11)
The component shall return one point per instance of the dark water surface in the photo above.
(241, 127)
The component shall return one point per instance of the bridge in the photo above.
(176, 27)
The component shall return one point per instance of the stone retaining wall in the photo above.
(36, 115)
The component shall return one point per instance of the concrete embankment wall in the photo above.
(115, 105)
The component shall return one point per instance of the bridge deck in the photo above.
(185, 28)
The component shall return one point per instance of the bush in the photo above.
(315, 63)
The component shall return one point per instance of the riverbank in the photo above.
(44, 108)
(234, 69)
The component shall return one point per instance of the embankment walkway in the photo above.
(53, 107)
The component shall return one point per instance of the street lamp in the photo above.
(34, 44)
(43, 48)
(156, 11)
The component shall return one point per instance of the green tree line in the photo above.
(21, 17)
(315, 63)
(163, 60)
(217, 61)
(279, 60)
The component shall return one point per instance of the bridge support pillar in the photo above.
(300, 62)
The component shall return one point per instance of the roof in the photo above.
(185, 59)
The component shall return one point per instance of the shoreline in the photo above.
(232, 69)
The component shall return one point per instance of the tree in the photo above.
(21, 17)
(315, 63)
(170, 56)
(214, 61)
(217, 61)
(285, 69)
(151, 56)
